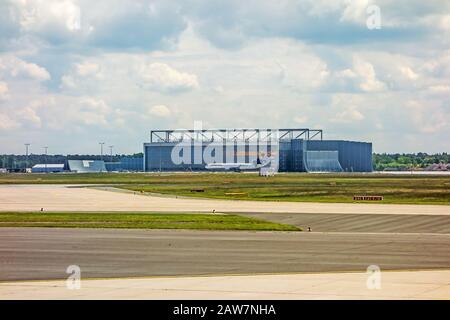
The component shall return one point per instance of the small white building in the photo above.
(48, 167)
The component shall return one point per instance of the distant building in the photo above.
(113, 166)
(126, 164)
(86, 166)
(293, 150)
(438, 167)
(132, 164)
(46, 168)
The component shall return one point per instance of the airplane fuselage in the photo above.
(234, 166)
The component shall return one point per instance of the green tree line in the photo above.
(407, 161)
(381, 161)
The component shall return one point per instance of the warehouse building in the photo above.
(289, 150)
(47, 168)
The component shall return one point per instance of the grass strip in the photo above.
(131, 220)
(401, 189)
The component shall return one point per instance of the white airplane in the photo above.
(255, 165)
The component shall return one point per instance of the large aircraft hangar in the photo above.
(291, 150)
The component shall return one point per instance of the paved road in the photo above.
(384, 223)
(40, 253)
(63, 198)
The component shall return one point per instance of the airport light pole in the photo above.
(46, 149)
(26, 155)
(101, 149)
(111, 152)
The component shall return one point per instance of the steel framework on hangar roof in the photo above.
(210, 135)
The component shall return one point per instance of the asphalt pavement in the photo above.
(45, 253)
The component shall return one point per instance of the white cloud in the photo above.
(28, 115)
(69, 12)
(81, 74)
(445, 22)
(366, 72)
(355, 11)
(20, 68)
(308, 73)
(91, 111)
(31, 70)
(428, 118)
(439, 66)
(65, 113)
(347, 73)
(219, 89)
(4, 90)
(408, 73)
(111, 72)
(68, 82)
(87, 68)
(349, 114)
(438, 89)
(161, 77)
(291, 64)
(361, 76)
(300, 119)
(161, 111)
(76, 24)
(39, 14)
(6, 123)
(89, 114)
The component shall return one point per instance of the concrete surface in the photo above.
(45, 253)
(62, 198)
(380, 223)
(345, 237)
(393, 285)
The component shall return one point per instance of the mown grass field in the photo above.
(312, 188)
(408, 189)
(128, 220)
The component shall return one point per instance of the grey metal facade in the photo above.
(158, 156)
(353, 156)
(126, 164)
(291, 151)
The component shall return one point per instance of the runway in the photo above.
(364, 223)
(345, 237)
(393, 285)
(64, 198)
(45, 253)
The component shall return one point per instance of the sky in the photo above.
(76, 73)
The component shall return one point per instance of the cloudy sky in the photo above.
(73, 73)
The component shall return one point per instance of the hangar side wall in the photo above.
(353, 156)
